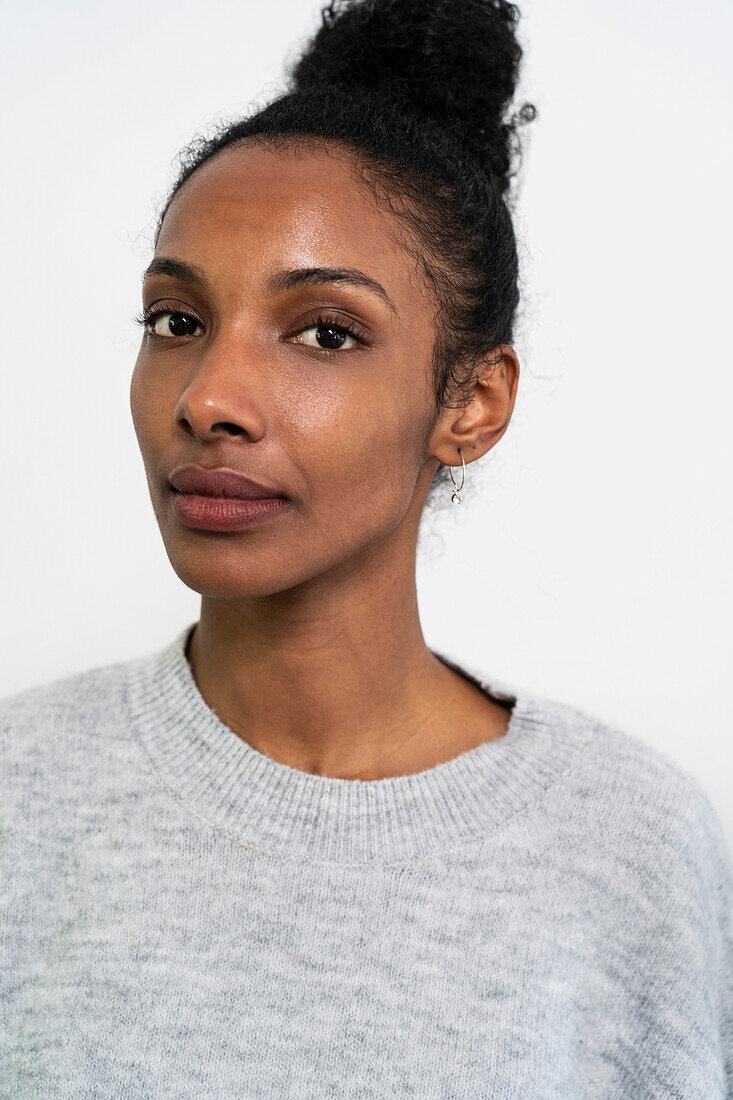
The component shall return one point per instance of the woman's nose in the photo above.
(221, 395)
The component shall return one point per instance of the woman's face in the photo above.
(258, 377)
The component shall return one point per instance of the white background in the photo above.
(591, 559)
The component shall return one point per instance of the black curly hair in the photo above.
(418, 90)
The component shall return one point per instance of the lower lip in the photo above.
(224, 513)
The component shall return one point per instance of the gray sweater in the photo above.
(548, 915)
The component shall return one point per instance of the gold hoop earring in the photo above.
(456, 494)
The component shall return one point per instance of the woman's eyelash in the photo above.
(148, 316)
(340, 326)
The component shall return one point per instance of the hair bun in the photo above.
(455, 61)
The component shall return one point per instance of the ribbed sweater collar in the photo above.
(295, 814)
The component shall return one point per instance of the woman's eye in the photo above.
(330, 337)
(324, 335)
(170, 323)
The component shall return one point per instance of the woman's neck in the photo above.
(343, 687)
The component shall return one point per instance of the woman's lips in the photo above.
(207, 513)
(220, 481)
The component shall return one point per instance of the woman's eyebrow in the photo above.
(177, 269)
(299, 276)
(280, 281)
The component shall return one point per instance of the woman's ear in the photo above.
(478, 425)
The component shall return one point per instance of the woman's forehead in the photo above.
(252, 187)
(251, 206)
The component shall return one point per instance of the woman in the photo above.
(297, 853)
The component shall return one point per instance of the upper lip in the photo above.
(219, 481)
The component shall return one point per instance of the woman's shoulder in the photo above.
(51, 711)
(635, 786)
(65, 742)
(602, 765)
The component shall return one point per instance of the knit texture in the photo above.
(547, 915)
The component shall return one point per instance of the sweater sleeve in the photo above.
(713, 875)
